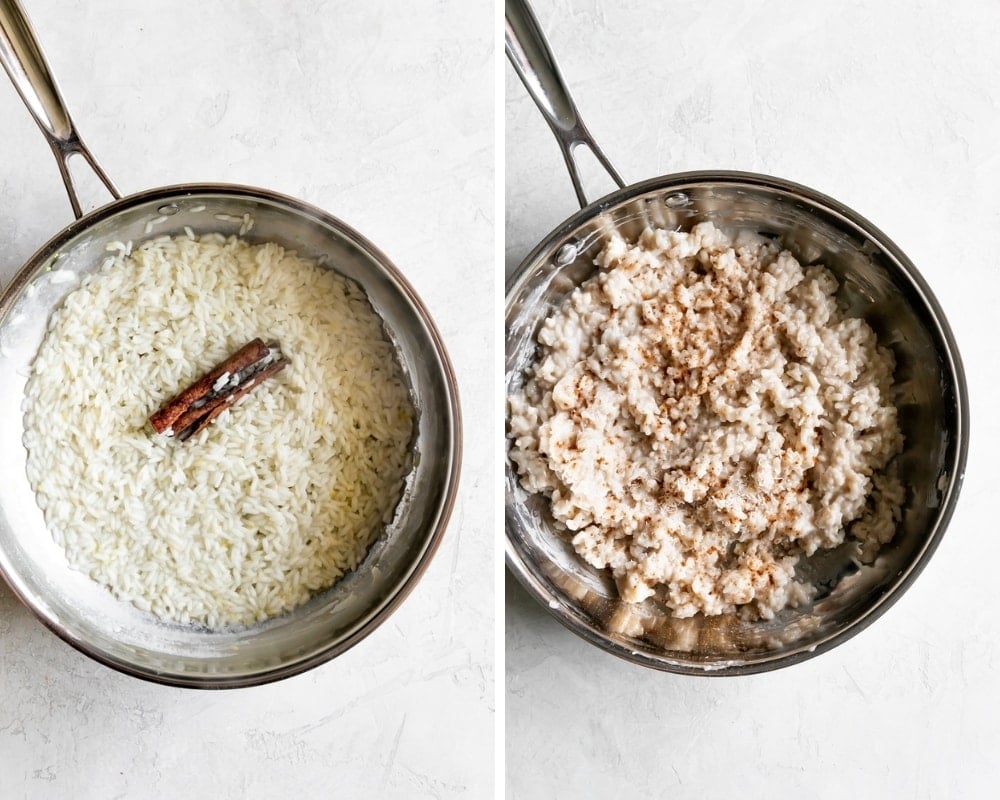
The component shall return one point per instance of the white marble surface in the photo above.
(894, 109)
(381, 113)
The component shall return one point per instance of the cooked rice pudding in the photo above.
(276, 499)
(701, 415)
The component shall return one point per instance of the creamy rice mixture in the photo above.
(273, 501)
(701, 415)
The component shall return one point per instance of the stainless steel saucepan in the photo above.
(878, 282)
(85, 614)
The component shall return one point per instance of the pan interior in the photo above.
(87, 615)
(877, 283)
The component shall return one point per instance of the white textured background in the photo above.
(382, 114)
(893, 108)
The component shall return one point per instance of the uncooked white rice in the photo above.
(701, 414)
(276, 499)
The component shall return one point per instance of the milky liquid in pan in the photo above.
(84, 613)
(877, 282)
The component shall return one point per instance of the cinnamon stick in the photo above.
(202, 401)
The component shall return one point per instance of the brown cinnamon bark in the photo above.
(201, 400)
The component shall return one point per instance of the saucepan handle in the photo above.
(25, 64)
(532, 60)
